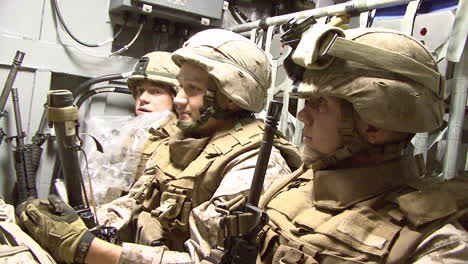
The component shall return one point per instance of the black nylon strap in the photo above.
(83, 247)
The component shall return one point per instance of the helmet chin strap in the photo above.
(353, 144)
(210, 109)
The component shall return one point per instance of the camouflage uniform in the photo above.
(385, 213)
(363, 215)
(203, 221)
(16, 246)
(130, 159)
(185, 176)
(334, 211)
(117, 212)
(114, 171)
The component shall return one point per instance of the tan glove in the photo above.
(58, 228)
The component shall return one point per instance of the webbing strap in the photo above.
(363, 70)
(388, 60)
(163, 74)
(276, 187)
(22, 238)
(408, 239)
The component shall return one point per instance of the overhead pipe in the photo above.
(351, 8)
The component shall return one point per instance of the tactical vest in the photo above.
(360, 215)
(15, 245)
(187, 172)
(166, 130)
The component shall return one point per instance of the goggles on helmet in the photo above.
(324, 45)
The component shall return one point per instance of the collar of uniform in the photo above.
(184, 151)
(342, 188)
(166, 129)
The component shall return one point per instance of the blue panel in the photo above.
(427, 6)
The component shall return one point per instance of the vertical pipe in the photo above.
(459, 84)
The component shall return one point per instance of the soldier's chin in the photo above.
(309, 155)
(186, 126)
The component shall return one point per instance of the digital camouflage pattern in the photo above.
(16, 245)
(204, 219)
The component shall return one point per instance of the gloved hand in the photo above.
(56, 227)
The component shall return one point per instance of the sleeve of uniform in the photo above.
(134, 253)
(204, 219)
(118, 213)
(448, 245)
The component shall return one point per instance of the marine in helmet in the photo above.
(223, 80)
(360, 198)
(153, 85)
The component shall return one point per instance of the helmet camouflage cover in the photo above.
(157, 67)
(391, 79)
(239, 68)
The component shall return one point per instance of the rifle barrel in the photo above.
(11, 79)
(271, 121)
(19, 127)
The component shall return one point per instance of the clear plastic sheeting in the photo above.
(122, 139)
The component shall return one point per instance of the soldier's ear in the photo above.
(232, 106)
(370, 133)
(378, 136)
(373, 134)
(226, 103)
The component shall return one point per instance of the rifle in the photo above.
(26, 181)
(244, 248)
(19, 56)
(63, 116)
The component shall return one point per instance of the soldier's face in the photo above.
(322, 118)
(194, 82)
(151, 97)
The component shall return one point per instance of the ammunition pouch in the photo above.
(174, 208)
(288, 255)
(241, 224)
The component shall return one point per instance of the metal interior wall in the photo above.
(50, 58)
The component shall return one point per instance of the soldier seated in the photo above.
(224, 79)
(153, 85)
(360, 198)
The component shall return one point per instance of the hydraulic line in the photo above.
(99, 90)
(67, 30)
(82, 88)
(74, 39)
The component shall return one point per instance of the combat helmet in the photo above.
(390, 79)
(239, 69)
(157, 67)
